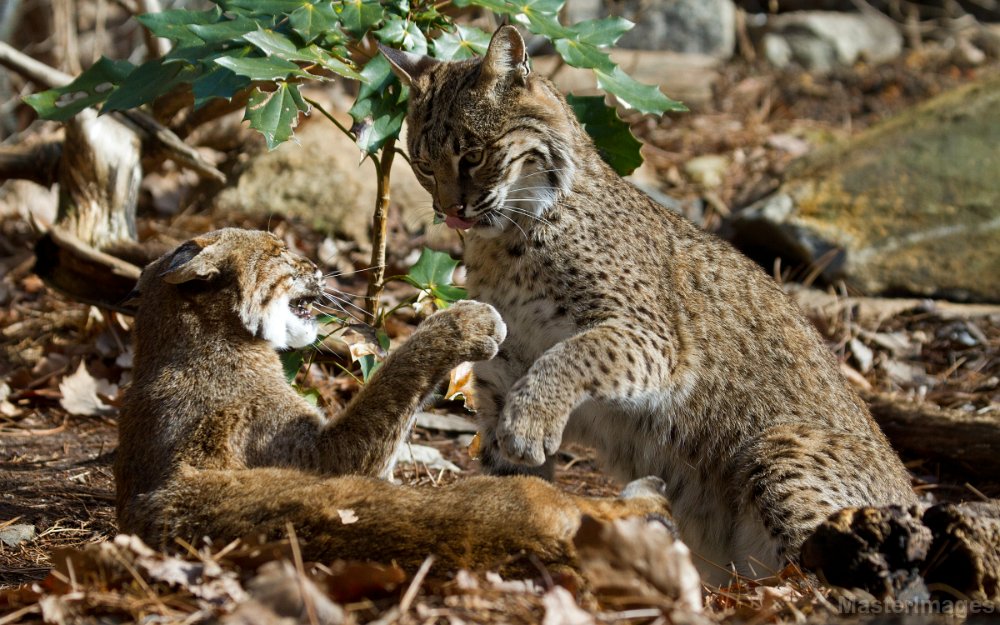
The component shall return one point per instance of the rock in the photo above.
(821, 40)
(909, 206)
(692, 26)
(14, 535)
(707, 170)
(322, 180)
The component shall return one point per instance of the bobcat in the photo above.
(631, 330)
(214, 442)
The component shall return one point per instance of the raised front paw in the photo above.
(527, 433)
(471, 330)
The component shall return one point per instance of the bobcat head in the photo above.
(491, 142)
(232, 277)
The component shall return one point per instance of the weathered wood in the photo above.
(37, 161)
(944, 552)
(966, 440)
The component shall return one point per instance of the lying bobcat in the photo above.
(214, 442)
(630, 329)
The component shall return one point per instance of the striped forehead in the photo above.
(443, 119)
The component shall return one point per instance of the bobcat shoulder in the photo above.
(215, 444)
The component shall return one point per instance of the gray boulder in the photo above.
(909, 206)
(822, 40)
(692, 26)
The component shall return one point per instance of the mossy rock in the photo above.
(911, 206)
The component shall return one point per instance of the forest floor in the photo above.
(55, 468)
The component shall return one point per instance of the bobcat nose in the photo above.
(455, 210)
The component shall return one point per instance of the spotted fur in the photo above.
(631, 330)
(213, 442)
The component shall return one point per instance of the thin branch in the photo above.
(343, 129)
(155, 46)
(35, 71)
(376, 279)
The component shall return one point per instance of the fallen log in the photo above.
(965, 440)
(943, 553)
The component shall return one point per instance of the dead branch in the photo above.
(37, 161)
(155, 135)
(83, 273)
(155, 46)
(966, 440)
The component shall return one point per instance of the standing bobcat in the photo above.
(214, 442)
(631, 330)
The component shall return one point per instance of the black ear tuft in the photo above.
(188, 262)
(407, 66)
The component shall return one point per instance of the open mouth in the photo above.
(302, 307)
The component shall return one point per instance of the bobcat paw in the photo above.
(473, 330)
(525, 434)
(650, 486)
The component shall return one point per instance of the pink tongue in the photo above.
(457, 222)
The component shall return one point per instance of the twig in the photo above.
(376, 279)
(155, 46)
(307, 598)
(418, 579)
(33, 70)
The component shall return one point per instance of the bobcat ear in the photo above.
(506, 56)
(407, 66)
(189, 262)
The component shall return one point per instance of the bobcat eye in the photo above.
(423, 168)
(473, 157)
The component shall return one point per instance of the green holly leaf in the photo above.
(148, 82)
(261, 7)
(432, 269)
(88, 89)
(175, 24)
(217, 83)
(545, 24)
(602, 32)
(464, 43)
(500, 7)
(404, 34)
(312, 20)
(225, 30)
(360, 16)
(612, 136)
(291, 362)
(380, 108)
(261, 68)
(274, 44)
(433, 272)
(275, 114)
(315, 54)
(585, 55)
(633, 94)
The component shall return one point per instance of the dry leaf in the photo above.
(80, 393)
(460, 385)
(635, 558)
(347, 516)
(288, 593)
(561, 609)
(475, 446)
